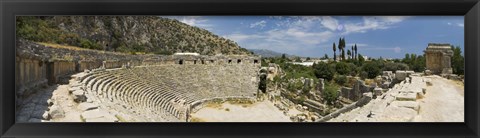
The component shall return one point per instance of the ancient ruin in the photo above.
(111, 87)
(438, 58)
(97, 86)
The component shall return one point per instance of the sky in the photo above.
(313, 36)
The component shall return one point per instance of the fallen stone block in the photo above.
(102, 119)
(97, 115)
(400, 75)
(366, 97)
(46, 116)
(428, 72)
(386, 85)
(378, 91)
(397, 114)
(87, 106)
(407, 104)
(56, 112)
(72, 89)
(406, 96)
(79, 96)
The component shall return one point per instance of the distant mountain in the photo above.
(267, 53)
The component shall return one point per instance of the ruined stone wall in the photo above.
(30, 73)
(356, 92)
(438, 58)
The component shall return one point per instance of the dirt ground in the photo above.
(444, 102)
(263, 111)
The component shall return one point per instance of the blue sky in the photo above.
(313, 36)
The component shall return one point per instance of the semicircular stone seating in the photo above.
(165, 93)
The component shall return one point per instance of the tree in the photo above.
(330, 93)
(283, 56)
(341, 79)
(297, 59)
(349, 53)
(342, 68)
(395, 66)
(360, 60)
(352, 53)
(458, 66)
(356, 52)
(406, 60)
(372, 69)
(334, 52)
(343, 48)
(308, 58)
(340, 48)
(325, 56)
(324, 70)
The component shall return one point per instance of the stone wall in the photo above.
(30, 73)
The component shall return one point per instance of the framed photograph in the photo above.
(239, 68)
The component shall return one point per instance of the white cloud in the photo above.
(330, 23)
(238, 37)
(358, 44)
(393, 49)
(197, 21)
(373, 23)
(456, 24)
(397, 49)
(260, 24)
(295, 36)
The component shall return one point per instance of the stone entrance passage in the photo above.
(51, 73)
(438, 58)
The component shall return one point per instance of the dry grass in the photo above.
(214, 105)
(194, 119)
(75, 48)
(369, 81)
(243, 103)
(120, 118)
(52, 45)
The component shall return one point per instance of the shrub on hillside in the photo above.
(341, 79)
(324, 70)
(330, 93)
(395, 66)
(372, 69)
(342, 68)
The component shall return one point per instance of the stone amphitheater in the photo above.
(111, 87)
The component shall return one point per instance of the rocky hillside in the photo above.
(130, 34)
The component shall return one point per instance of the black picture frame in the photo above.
(470, 9)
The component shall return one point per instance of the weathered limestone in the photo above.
(400, 75)
(98, 116)
(87, 106)
(79, 96)
(407, 104)
(56, 112)
(438, 58)
(406, 96)
(378, 91)
(366, 97)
